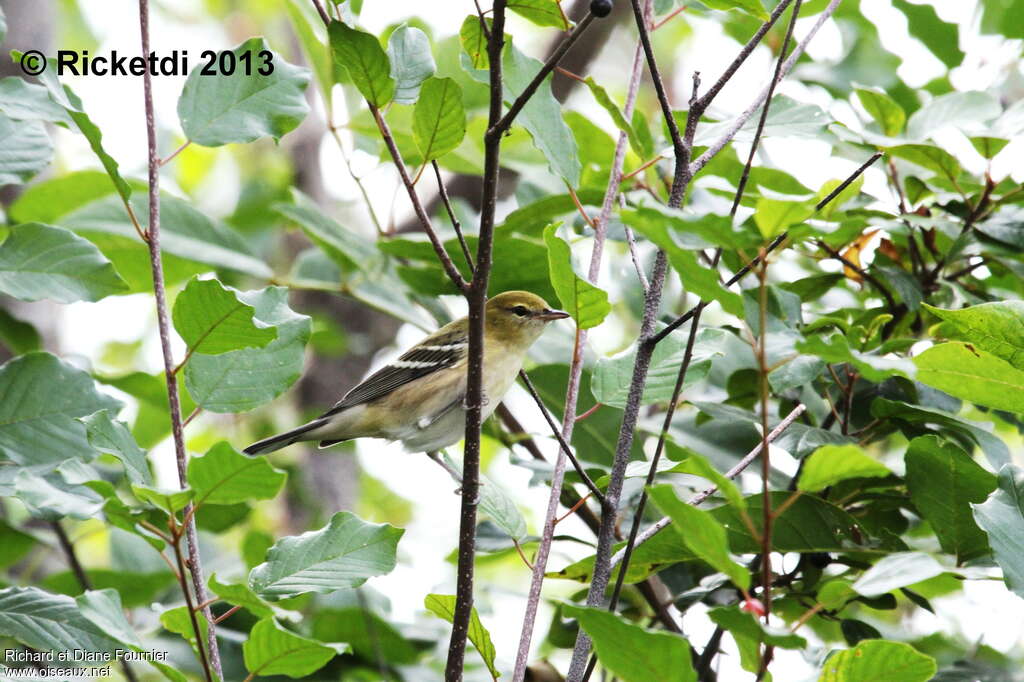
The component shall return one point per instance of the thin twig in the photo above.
(428, 227)
(212, 666)
(320, 10)
(663, 523)
(767, 517)
(352, 173)
(456, 225)
(867, 276)
(164, 162)
(587, 481)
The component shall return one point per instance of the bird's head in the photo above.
(520, 316)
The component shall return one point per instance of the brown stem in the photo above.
(176, 545)
(155, 258)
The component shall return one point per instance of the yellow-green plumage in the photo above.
(418, 398)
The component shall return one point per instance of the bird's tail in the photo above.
(284, 439)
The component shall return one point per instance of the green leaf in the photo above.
(220, 109)
(342, 619)
(994, 327)
(443, 606)
(619, 118)
(177, 620)
(831, 464)
(211, 319)
(171, 500)
(66, 98)
(16, 544)
(103, 608)
(367, 63)
(272, 650)
(896, 571)
(827, 211)
(345, 247)
(540, 12)
(112, 437)
(40, 261)
(587, 304)
(873, 367)
(914, 415)
(50, 622)
(340, 555)
(1002, 17)
(312, 36)
(496, 503)
(185, 233)
(411, 62)
(938, 36)
(886, 111)
(242, 380)
(40, 399)
(474, 42)
(1002, 517)
(878, 660)
(631, 652)
(968, 111)
(696, 277)
(969, 373)
(944, 482)
(932, 158)
(19, 336)
(27, 149)
(987, 146)
(612, 376)
(751, 7)
(542, 114)
(51, 497)
(49, 200)
(746, 625)
(439, 121)
(701, 532)
(774, 216)
(240, 595)
(690, 462)
(225, 476)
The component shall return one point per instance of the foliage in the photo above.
(879, 306)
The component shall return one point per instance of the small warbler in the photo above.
(419, 399)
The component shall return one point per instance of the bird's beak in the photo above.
(548, 315)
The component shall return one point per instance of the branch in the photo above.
(456, 225)
(663, 523)
(867, 276)
(738, 275)
(153, 241)
(476, 297)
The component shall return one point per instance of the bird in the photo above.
(419, 399)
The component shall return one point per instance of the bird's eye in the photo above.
(521, 310)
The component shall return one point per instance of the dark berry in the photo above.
(600, 8)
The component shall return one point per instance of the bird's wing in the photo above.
(442, 350)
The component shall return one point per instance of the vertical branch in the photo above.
(476, 296)
(160, 293)
(766, 466)
(575, 373)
